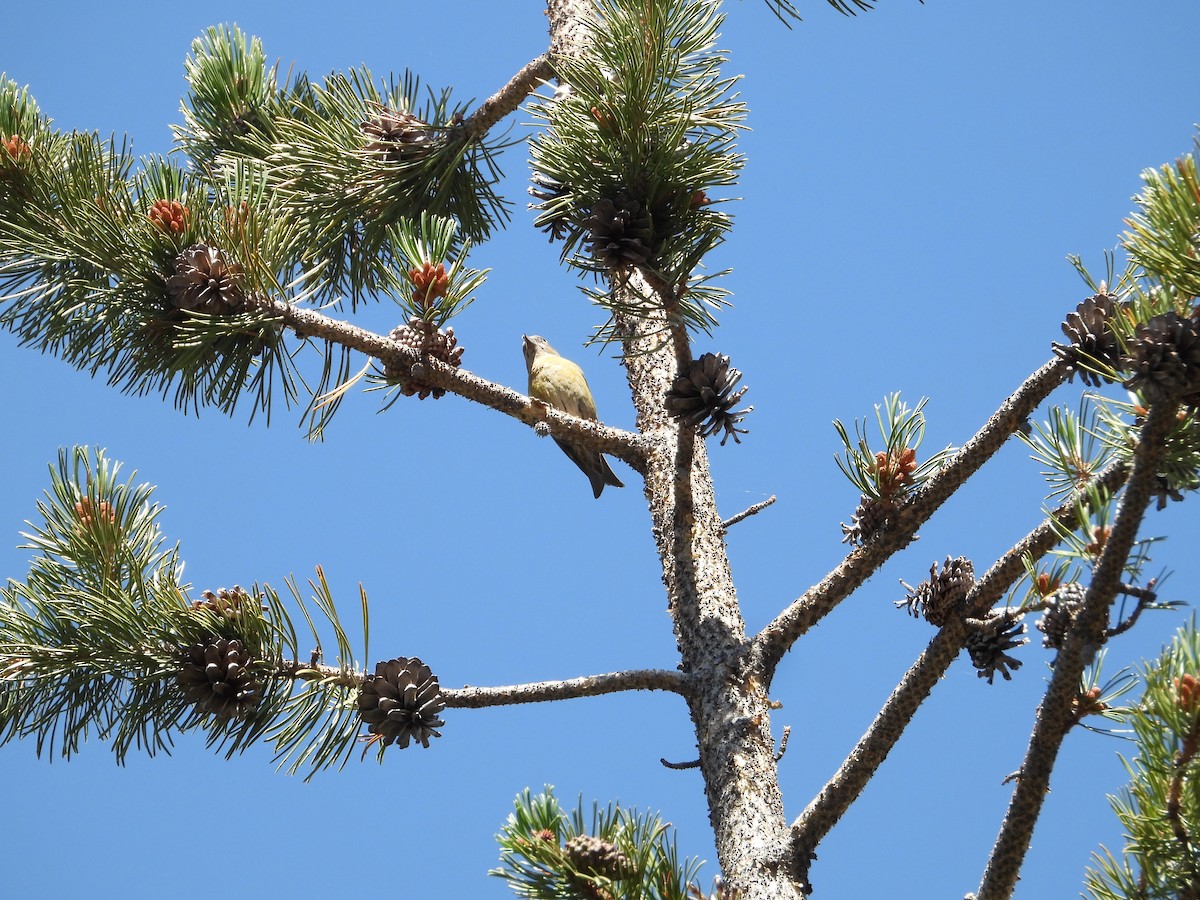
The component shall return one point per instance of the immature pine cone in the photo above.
(169, 215)
(15, 147)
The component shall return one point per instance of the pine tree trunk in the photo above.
(729, 704)
(729, 701)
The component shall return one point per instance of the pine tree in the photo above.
(297, 204)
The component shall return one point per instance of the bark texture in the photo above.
(728, 697)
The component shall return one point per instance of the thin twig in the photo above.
(747, 513)
(783, 742)
(586, 686)
(1144, 596)
(691, 764)
(512, 694)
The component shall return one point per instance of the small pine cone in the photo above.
(895, 470)
(89, 513)
(229, 604)
(1164, 357)
(1091, 339)
(941, 595)
(395, 136)
(597, 856)
(169, 215)
(428, 340)
(401, 701)
(16, 148)
(206, 281)
(1061, 609)
(1164, 491)
(216, 677)
(873, 513)
(546, 190)
(988, 643)
(704, 398)
(621, 233)
(429, 283)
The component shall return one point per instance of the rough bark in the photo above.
(728, 698)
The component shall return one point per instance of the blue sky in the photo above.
(916, 178)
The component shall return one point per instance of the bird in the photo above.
(558, 382)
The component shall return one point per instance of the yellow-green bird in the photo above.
(558, 382)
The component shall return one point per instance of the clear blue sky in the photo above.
(916, 179)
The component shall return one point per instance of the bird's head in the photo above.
(532, 345)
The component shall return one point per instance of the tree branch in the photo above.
(512, 694)
(747, 513)
(1088, 633)
(585, 686)
(1144, 596)
(831, 803)
(624, 445)
(509, 98)
(777, 637)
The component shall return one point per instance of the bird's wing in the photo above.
(560, 383)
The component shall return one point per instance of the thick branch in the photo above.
(509, 98)
(827, 808)
(624, 445)
(777, 638)
(1087, 634)
(586, 686)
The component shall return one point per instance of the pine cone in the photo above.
(1165, 490)
(873, 513)
(396, 136)
(401, 701)
(205, 281)
(229, 604)
(621, 232)
(216, 677)
(941, 595)
(1164, 358)
(546, 190)
(1061, 609)
(428, 340)
(987, 646)
(597, 856)
(704, 398)
(1092, 341)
